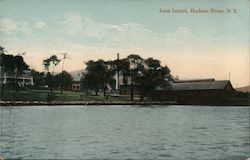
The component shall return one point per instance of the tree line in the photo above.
(15, 66)
(142, 75)
(138, 73)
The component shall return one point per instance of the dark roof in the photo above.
(194, 80)
(197, 85)
(77, 75)
(244, 89)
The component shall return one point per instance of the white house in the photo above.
(23, 80)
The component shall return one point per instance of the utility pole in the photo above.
(117, 75)
(61, 82)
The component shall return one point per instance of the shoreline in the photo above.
(40, 103)
(53, 103)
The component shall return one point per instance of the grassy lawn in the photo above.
(43, 95)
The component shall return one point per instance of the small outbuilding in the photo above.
(76, 84)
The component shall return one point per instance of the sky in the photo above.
(192, 45)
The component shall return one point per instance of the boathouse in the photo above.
(204, 91)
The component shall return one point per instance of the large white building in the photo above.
(24, 79)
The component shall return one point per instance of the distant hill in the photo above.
(243, 89)
(76, 74)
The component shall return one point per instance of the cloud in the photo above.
(7, 25)
(73, 23)
(23, 27)
(40, 24)
(138, 37)
(120, 35)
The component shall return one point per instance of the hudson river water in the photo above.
(125, 132)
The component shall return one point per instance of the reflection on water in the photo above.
(124, 132)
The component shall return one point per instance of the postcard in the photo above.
(116, 79)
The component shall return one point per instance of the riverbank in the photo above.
(57, 96)
(42, 97)
(33, 103)
(53, 103)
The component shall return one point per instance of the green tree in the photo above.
(138, 73)
(14, 66)
(98, 75)
(86, 82)
(38, 78)
(47, 79)
(152, 75)
(121, 66)
(66, 81)
(54, 61)
(130, 68)
(65, 56)
(2, 51)
(141, 74)
(134, 71)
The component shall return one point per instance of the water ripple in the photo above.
(95, 132)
